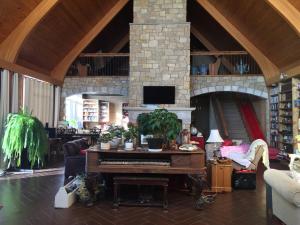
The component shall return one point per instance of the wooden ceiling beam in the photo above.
(288, 12)
(32, 73)
(270, 71)
(10, 47)
(62, 67)
(121, 44)
(207, 44)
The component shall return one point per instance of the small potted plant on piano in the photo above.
(104, 140)
(130, 136)
(116, 132)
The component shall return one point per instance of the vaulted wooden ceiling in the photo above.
(43, 37)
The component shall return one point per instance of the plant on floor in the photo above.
(24, 132)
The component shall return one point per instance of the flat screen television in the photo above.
(159, 94)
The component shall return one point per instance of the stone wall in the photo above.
(254, 85)
(162, 11)
(107, 86)
(160, 49)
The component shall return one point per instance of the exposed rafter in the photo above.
(270, 71)
(10, 47)
(23, 70)
(209, 46)
(60, 70)
(121, 44)
(288, 12)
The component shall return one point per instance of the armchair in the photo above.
(74, 158)
(283, 196)
(249, 160)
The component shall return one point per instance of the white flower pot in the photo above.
(105, 146)
(128, 146)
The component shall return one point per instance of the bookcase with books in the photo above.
(284, 114)
(274, 116)
(90, 110)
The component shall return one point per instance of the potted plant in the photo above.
(162, 124)
(24, 140)
(104, 140)
(116, 132)
(130, 135)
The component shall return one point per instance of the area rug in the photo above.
(33, 173)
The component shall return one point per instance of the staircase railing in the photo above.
(221, 121)
(247, 126)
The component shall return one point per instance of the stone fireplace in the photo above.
(160, 54)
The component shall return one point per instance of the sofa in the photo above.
(283, 196)
(74, 156)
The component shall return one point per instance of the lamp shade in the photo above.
(214, 137)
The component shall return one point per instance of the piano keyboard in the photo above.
(135, 162)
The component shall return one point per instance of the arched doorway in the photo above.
(209, 104)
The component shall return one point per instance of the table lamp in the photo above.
(215, 138)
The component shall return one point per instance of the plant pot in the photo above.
(155, 143)
(105, 146)
(128, 146)
(25, 164)
(114, 143)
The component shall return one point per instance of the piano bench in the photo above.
(144, 181)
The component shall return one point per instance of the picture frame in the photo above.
(144, 139)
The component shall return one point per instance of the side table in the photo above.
(219, 175)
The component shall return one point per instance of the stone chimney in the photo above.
(160, 54)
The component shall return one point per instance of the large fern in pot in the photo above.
(24, 132)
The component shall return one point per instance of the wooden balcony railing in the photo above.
(223, 63)
(202, 63)
(100, 64)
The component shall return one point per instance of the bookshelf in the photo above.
(284, 115)
(90, 110)
(103, 111)
(274, 116)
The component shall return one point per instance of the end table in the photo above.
(219, 175)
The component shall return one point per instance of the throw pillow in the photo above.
(295, 167)
(227, 142)
(82, 151)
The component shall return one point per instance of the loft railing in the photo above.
(202, 63)
(223, 63)
(100, 64)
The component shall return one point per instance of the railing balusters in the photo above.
(232, 62)
(202, 62)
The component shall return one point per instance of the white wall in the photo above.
(74, 109)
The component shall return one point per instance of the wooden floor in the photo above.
(30, 201)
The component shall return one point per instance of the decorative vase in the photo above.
(128, 146)
(105, 146)
(203, 69)
(194, 131)
(114, 143)
(242, 67)
(194, 70)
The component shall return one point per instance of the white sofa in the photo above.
(283, 196)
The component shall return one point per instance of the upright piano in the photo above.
(145, 162)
